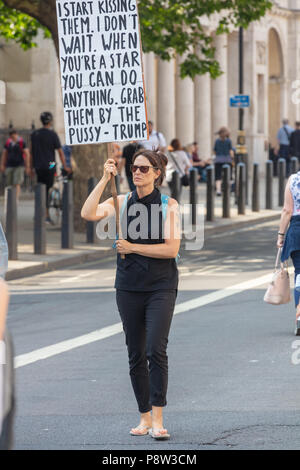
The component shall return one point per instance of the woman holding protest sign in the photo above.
(146, 280)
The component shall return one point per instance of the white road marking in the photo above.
(79, 277)
(68, 345)
(63, 291)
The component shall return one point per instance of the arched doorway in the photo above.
(276, 81)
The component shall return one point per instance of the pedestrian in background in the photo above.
(283, 138)
(156, 140)
(289, 240)
(179, 162)
(67, 149)
(15, 161)
(146, 281)
(127, 157)
(224, 154)
(44, 142)
(295, 142)
(199, 163)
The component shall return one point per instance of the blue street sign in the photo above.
(239, 101)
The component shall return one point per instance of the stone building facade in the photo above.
(187, 109)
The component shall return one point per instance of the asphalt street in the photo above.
(232, 380)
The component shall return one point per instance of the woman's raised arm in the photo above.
(92, 210)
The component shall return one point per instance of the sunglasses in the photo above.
(143, 168)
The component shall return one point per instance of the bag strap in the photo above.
(124, 204)
(158, 136)
(287, 133)
(164, 204)
(174, 160)
(285, 264)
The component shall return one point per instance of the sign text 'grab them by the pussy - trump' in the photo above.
(101, 71)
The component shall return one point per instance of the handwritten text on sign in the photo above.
(101, 71)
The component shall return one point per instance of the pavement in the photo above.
(29, 264)
(233, 359)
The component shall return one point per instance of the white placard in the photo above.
(101, 71)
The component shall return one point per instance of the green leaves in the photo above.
(168, 27)
(19, 27)
(171, 27)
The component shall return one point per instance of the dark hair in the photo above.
(46, 118)
(297, 123)
(176, 145)
(157, 159)
(12, 132)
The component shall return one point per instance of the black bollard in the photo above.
(11, 225)
(269, 184)
(237, 160)
(67, 229)
(242, 188)
(294, 165)
(193, 194)
(210, 193)
(176, 186)
(39, 231)
(245, 161)
(91, 226)
(281, 180)
(255, 188)
(226, 182)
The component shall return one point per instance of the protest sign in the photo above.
(101, 71)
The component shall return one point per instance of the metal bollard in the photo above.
(281, 180)
(269, 184)
(67, 230)
(242, 188)
(210, 193)
(39, 219)
(11, 224)
(255, 188)
(245, 161)
(294, 164)
(226, 182)
(176, 186)
(193, 194)
(91, 226)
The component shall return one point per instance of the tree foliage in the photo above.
(19, 27)
(168, 27)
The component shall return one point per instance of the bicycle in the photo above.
(55, 199)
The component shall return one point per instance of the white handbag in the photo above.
(279, 291)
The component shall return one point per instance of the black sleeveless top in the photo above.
(143, 273)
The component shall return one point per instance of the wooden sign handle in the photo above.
(115, 195)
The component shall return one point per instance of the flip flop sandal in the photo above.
(141, 427)
(161, 436)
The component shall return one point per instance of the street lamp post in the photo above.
(241, 149)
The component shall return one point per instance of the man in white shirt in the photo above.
(156, 140)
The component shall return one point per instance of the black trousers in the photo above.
(46, 177)
(146, 318)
